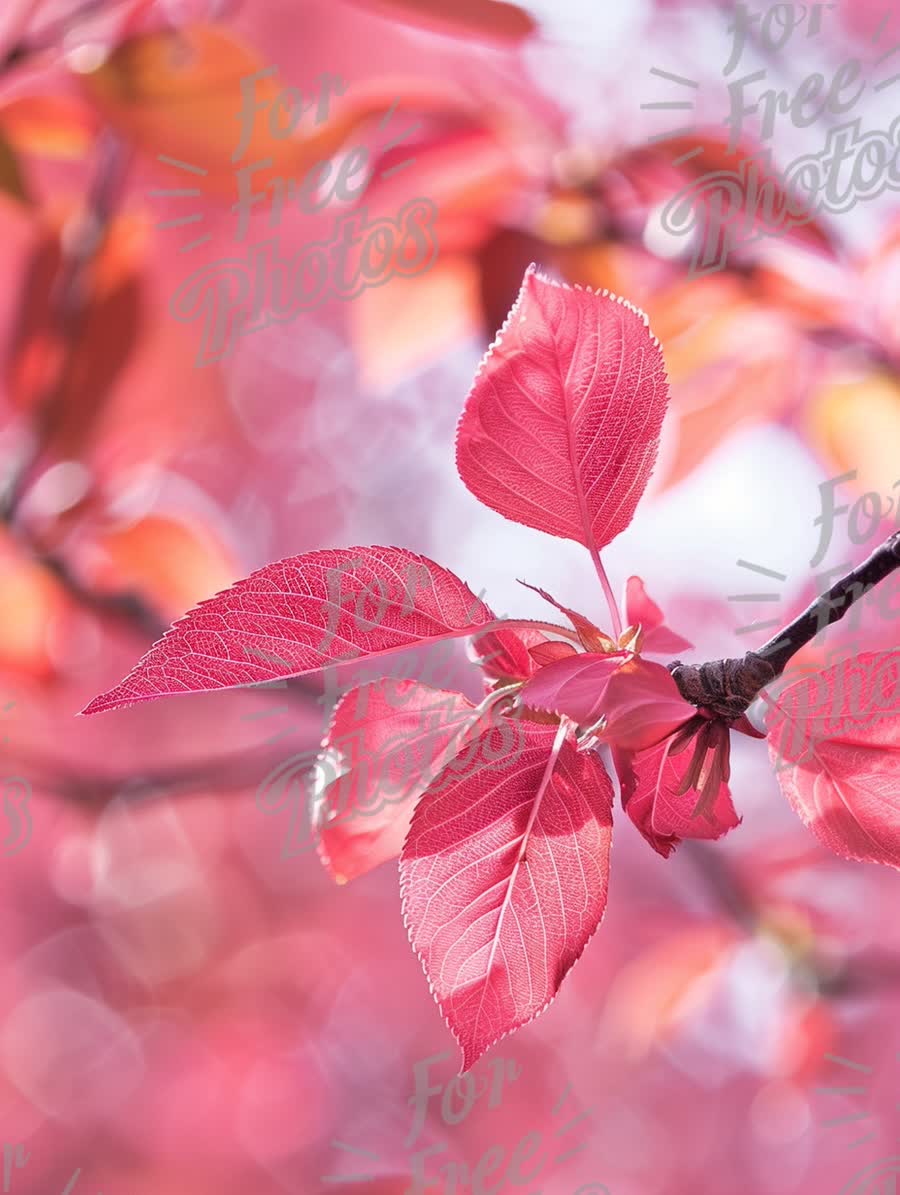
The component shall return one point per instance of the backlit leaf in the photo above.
(835, 740)
(385, 744)
(574, 686)
(504, 878)
(561, 427)
(299, 614)
(650, 781)
(505, 654)
(642, 704)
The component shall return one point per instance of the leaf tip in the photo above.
(109, 700)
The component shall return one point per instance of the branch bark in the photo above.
(728, 687)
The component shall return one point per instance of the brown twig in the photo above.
(728, 687)
(80, 248)
(832, 605)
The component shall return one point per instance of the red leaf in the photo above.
(561, 427)
(839, 732)
(574, 686)
(591, 637)
(506, 655)
(550, 652)
(299, 614)
(650, 781)
(387, 741)
(504, 877)
(640, 609)
(642, 705)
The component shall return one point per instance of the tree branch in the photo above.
(728, 687)
(832, 605)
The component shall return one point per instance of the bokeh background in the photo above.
(189, 1004)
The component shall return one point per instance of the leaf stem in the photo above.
(610, 596)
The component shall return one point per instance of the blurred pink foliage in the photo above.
(184, 1009)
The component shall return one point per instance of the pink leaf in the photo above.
(561, 427)
(640, 609)
(504, 877)
(550, 652)
(650, 781)
(665, 642)
(300, 614)
(386, 741)
(642, 705)
(505, 655)
(838, 732)
(591, 637)
(574, 686)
